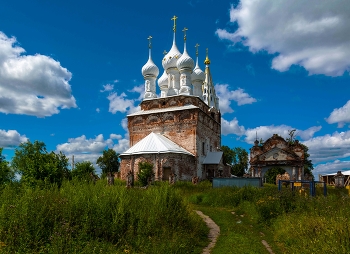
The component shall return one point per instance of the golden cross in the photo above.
(207, 52)
(149, 41)
(197, 45)
(164, 52)
(185, 29)
(174, 18)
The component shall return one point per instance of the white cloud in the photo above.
(32, 84)
(265, 132)
(85, 149)
(118, 103)
(225, 96)
(98, 110)
(11, 138)
(140, 90)
(121, 146)
(115, 136)
(331, 167)
(107, 88)
(83, 145)
(329, 147)
(231, 127)
(340, 115)
(314, 35)
(124, 124)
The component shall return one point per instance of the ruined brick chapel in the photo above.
(179, 132)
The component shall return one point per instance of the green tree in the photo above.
(109, 161)
(237, 158)
(308, 166)
(37, 166)
(83, 171)
(271, 174)
(6, 173)
(228, 155)
(145, 172)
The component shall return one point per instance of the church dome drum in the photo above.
(163, 80)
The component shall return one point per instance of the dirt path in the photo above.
(213, 233)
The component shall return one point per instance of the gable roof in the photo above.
(277, 150)
(213, 158)
(155, 143)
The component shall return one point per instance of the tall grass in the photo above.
(299, 223)
(88, 218)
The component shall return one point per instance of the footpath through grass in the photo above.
(87, 218)
(290, 222)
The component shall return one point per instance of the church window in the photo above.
(211, 148)
(203, 148)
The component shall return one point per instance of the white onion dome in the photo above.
(185, 61)
(197, 73)
(150, 69)
(170, 59)
(163, 80)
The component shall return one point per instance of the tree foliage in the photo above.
(6, 173)
(308, 166)
(228, 155)
(271, 174)
(145, 172)
(109, 161)
(237, 158)
(37, 166)
(83, 171)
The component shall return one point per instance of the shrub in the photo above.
(145, 172)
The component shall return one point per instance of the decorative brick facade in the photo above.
(277, 152)
(185, 120)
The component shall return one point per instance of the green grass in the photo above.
(291, 222)
(88, 218)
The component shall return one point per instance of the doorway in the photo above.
(166, 173)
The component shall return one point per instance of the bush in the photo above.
(145, 172)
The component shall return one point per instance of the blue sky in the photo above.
(70, 71)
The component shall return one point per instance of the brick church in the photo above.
(179, 131)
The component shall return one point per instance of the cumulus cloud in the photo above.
(231, 127)
(34, 85)
(85, 149)
(140, 90)
(329, 147)
(11, 138)
(340, 115)
(331, 167)
(83, 145)
(265, 132)
(313, 35)
(226, 96)
(119, 103)
(107, 88)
